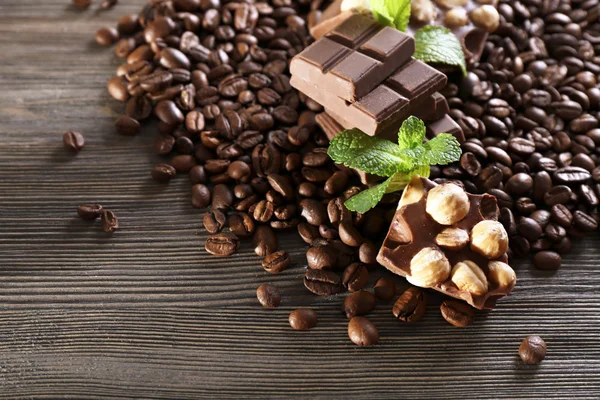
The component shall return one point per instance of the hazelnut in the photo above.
(422, 11)
(451, 3)
(452, 238)
(467, 276)
(412, 193)
(428, 268)
(486, 17)
(455, 18)
(355, 5)
(502, 274)
(489, 239)
(447, 204)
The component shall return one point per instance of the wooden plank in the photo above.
(147, 313)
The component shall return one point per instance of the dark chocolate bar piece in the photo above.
(354, 57)
(446, 239)
(445, 125)
(434, 108)
(386, 106)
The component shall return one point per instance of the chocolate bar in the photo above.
(458, 17)
(446, 239)
(445, 125)
(354, 57)
(433, 109)
(388, 104)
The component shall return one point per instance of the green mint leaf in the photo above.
(443, 149)
(400, 180)
(380, 12)
(395, 13)
(355, 149)
(412, 133)
(367, 199)
(438, 45)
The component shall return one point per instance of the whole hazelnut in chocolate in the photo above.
(489, 239)
(467, 276)
(447, 204)
(502, 274)
(455, 18)
(422, 11)
(486, 17)
(428, 268)
(452, 239)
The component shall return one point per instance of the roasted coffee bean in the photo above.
(555, 232)
(313, 211)
(542, 217)
(110, 222)
(561, 215)
(385, 289)
(263, 211)
(349, 235)
(558, 195)
(82, 3)
(571, 175)
(327, 232)
(303, 319)
(281, 185)
(584, 222)
(337, 211)
(285, 212)
(200, 196)
(322, 282)
(117, 88)
(470, 164)
(411, 305)
(363, 332)
(222, 244)
(222, 197)
(547, 260)
(73, 141)
(529, 229)
(519, 184)
(214, 221)
(336, 183)
(355, 277)
(321, 257)
(276, 262)
(542, 183)
(264, 241)
(532, 350)
(457, 313)
(307, 232)
(106, 36)
(239, 170)
(197, 174)
(241, 224)
(268, 295)
(127, 126)
(164, 145)
(358, 303)
(89, 212)
(367, 253)
(298, 135)
(163, 173)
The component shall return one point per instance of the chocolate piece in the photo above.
(354, 57)
(386, 106)
(445, 125)
(434, 108)
(449, 257)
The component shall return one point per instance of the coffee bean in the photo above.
(89, 212)
(82, 3)
(164, 145)
(529, 229)
(322, 282)
(542, 183)
(355, 277)
(200, 196)
(222, 197)
(349, 235)
(358, 303)
(558, 195)
(214, 221)
(127, 126)
(457, 313)
(264, 241)
(73, 141)
(106, 36)
(571, 175)
(110, 222)
(241, 224)
(363, 332)
(222, 244)
(163, 173)
(547, 260)
(307, 232)
(532, 350)
(303, 319)
(281, 185)
(584, 222)
(385, 289)
(268, 295)
(411, 305)
(337, 211)
(276, 262)
(139, 108)
(470, 164)
(519, 184)
(321, 257)
(229, 124)
(367, 253)
(312, 211)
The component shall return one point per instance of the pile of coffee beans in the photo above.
(530, 112)
(214, 73)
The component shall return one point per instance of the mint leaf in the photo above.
(443, 149)
(412, 133)
(395, 13)
(367, 199)
(438, 44)
(355, 149)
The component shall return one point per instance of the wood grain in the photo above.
(147, 313)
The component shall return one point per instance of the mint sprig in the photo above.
(399, 162)
(394, 13)
(437, 44)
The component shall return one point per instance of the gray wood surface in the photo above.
(147, 313)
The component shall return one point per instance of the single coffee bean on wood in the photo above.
(163, 173)
(385, 288)
(532, 350)
(322, 282)
(362, 332)
(89, 212)
(110, 223)
(222, 244)
(276, 262)
(355, 277)
(73, 141)
(411, 305)
(268, 295)
(358, 303)
(214, 221)
(547, 260)
(457, 313)
(303, 319)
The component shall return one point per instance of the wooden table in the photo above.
(147, 313)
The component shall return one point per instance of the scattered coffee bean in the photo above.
(106, 36)
(358, 303)
(264, 241)
(82, 3)
(89, 212)
(363, 332)
(303, 319)
(385, 289)
(547, 260)
(127, 126)
(276, 262)
(110, 223)
(163, 173)
(355, 277)
(73, 141)
(532, 350)
(222, 244)
(411, 305)
(268, 295)
(214, 221)
(322, 282)
(457, 313)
